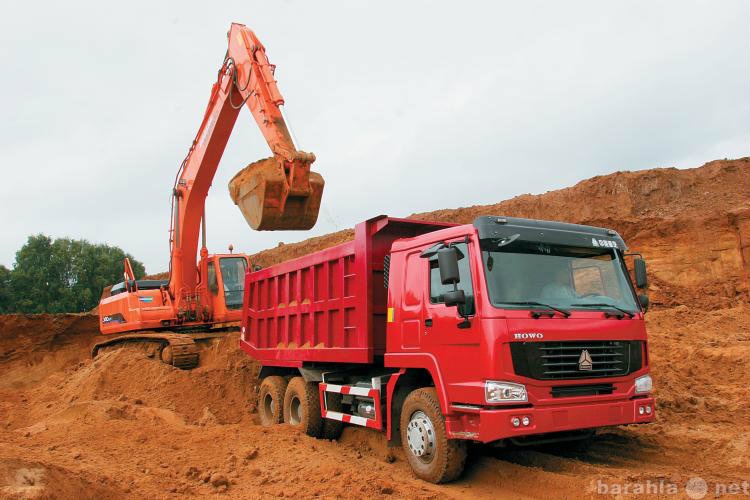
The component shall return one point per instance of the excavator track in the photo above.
(177, 349)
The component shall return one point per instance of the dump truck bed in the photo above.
(329, 306)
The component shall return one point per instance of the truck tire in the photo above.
(302, 407)
(332, 429)
(432, 456)
(271, 400)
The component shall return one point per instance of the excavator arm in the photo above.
(275, 193)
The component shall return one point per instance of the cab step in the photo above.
(376, 423)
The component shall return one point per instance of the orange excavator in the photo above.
(202, 299)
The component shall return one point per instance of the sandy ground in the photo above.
(126, 424)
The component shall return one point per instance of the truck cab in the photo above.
(527, 327)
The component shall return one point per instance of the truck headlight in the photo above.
(643, 384)
(504, 392)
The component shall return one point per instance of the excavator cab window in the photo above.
(233, 276)
(213, 285)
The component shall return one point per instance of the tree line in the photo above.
(60, 275)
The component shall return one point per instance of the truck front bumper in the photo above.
(492, 424)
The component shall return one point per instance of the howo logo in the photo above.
(584, 361)
(528, 336)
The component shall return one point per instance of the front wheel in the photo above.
(432, 456)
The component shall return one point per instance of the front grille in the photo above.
(568, 391)
(567, 360)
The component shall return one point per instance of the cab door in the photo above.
(233, 281)
(411, 306)
(217, 304)
(452, 340)
(226, 284)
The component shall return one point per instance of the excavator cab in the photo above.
(226, 281)
(146, 304)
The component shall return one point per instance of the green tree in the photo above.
(64, 275)
(6, 304)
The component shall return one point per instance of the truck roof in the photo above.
(527, 230)
(551, 232)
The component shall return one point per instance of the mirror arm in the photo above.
(460, 308)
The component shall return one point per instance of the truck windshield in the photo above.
(564, 277)
(233, 276)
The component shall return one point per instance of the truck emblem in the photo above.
(584, 362)
(528, 336)
(603, 243)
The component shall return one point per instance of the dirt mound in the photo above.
(24, 334)
(24, 479)
(157, 276)
(660, 193)
(693, 226)
(33, 345)
(221, 389)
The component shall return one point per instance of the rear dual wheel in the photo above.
(302, 407)
(271, 400)
(297, 403)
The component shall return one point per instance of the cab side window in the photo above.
(437, 289)
(213, 285)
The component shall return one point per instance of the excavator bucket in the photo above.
(274, 194)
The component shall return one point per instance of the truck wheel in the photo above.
(332, 429)
(271, 399)
(432, 456)
(302, 406)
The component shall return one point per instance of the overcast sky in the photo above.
(408, 106)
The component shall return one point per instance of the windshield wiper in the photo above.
(562, 311)
(602, 304)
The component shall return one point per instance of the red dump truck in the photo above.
(506, 330)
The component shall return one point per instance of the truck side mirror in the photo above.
(454, 298)
(643, 299)
(448, 265)
(641, 278)
(449, 275)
